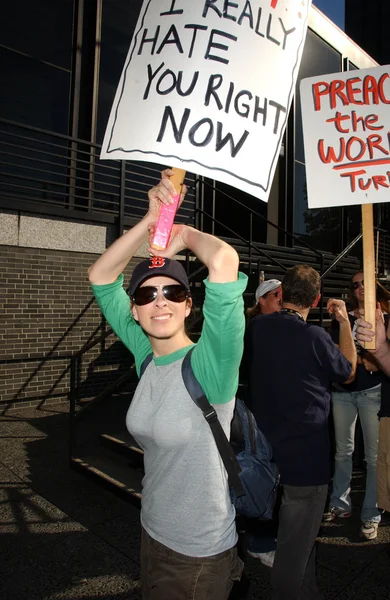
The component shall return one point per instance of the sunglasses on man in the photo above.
(148, 293)
(357, 284)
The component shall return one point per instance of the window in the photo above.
(118, 23)
(313, 225)
(36, 57)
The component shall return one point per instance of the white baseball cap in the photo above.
(267, 286)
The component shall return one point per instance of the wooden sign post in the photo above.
(369, 269)
(178, 178)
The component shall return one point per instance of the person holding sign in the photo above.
(362, 397)
(364, 333)
(188, 546)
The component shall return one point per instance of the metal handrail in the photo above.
(254, 212)
(62, 136)
(44, 168)
(108, 391)
(341, 255)
(237, 236)
(348, 249)
(27, 359)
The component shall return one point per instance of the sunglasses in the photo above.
(276, 294)
(357, 284)
(148, 293)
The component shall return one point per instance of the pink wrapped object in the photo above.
(164, 224)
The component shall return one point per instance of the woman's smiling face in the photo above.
(161, 318)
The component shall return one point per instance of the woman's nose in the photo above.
(160, 300)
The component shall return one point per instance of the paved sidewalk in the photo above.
(64, 537)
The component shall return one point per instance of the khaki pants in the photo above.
(168, 575)
(383, 465)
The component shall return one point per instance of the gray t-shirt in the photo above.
(185, 494)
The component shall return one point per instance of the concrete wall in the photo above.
(31, 231)
(47, 310)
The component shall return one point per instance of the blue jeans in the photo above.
(346, 407)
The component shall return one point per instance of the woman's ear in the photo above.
(134, 312)
(188, 306)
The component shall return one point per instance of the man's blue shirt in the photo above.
(292, 367)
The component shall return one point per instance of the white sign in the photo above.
(346, 129)
(207, 86)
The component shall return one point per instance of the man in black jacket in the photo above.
(292, 365)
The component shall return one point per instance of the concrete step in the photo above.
(124, 444)
(114, 472)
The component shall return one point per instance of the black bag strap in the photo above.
(145, 363)
(226, 451)
(252, 437)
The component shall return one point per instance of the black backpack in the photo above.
(252, 472)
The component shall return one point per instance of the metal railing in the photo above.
(254, 213)
(51, 173)
(54, 174)
(382, 252)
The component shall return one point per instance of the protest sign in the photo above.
(207, 86)
(346, 128)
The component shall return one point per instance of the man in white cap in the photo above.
(268, 298)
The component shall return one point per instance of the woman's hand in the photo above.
(176, 244)
(163, 193)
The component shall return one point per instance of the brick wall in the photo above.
(46, 313)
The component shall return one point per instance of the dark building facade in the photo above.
(60, 206)
(61, 63)
(367, 24)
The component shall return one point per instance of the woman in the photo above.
(188, 546)
(361, 398)
(268, 298)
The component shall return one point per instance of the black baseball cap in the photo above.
(155, 266)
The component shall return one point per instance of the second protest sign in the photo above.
(346, 119)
